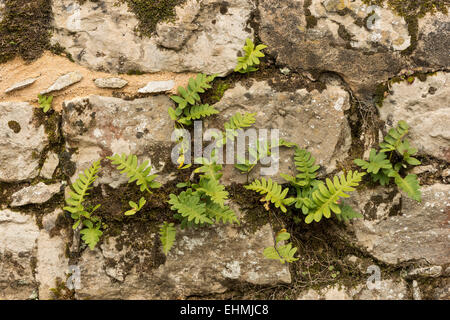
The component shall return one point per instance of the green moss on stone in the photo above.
(25, 29)
(150, 12)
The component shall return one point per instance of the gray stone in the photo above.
(314, 120)
(389, 289)
(21, 85)
(200, 39)
(21, 142)
(52, 262)
(425, 106)
(362, 45)
(431, 272)
(19, 233)
(203, 261)
(327, 293)
(49, 166)
(417, 294)
(157, 86)
(420, 232)
(110, 83)
(102, 126)
(39, 193)
(64, 81)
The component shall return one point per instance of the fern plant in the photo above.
(45, 103)
(75, 206)
(140, 173)
(250, 60)
(283, 253)
(202, 203)
(380, 165)
(167, 234)
(273, 192)
(135, 207)
(188, 101)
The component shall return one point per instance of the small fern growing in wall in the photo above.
(250, 60)
(382, 169)
(188, 101)
(201, 204)
(128, 165)
(283, 253)
(45, 103)
(85, 217)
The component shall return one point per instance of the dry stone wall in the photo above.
(336, 77)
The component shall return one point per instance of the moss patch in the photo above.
(25, 29)
(150, 12)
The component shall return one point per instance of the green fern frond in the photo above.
(326, 196)
(409, 184)
(141, 174)
(406, 151)
(135, 207)
(208, 169)
(347, 213)
(91, 235)
(199, 111)
(188, 204)
(251, 58)
(80, 188)
(190, 94)
(220, 214)
(377, 161)
(45, 103)
(283, 253)
(394, 137)
(305, 164)
(213, 189)
(167, 234)
(239, 121)
(273, 191)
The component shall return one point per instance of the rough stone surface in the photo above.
(389, 289)
(433, 272)
(64, 81)
(425, 106)
(207, 40)
(111, 83)
(434, 41)
(421, 232)
(326, 35)
(52, 262)
(314, 120)
(157, 86)
(21, 85)
(102, 126)
(49, 166)
(19, 233)
(36, 194)
(21, 142)
(211, 259)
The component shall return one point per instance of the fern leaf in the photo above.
(394, 137)
(189, 206)
(377, 161)
(273, 191)
(45, 102)
(409, 184)
(326, 196)
(167, 234)
(91, 235)
(209, 169)
(347, 213)
(305, 164)
(199, 111)
(284, 253)
(81, 187)
(239, 121)
(214, 190)
(251, 57)
(190, 95)
(141, 174)
(221, 214)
